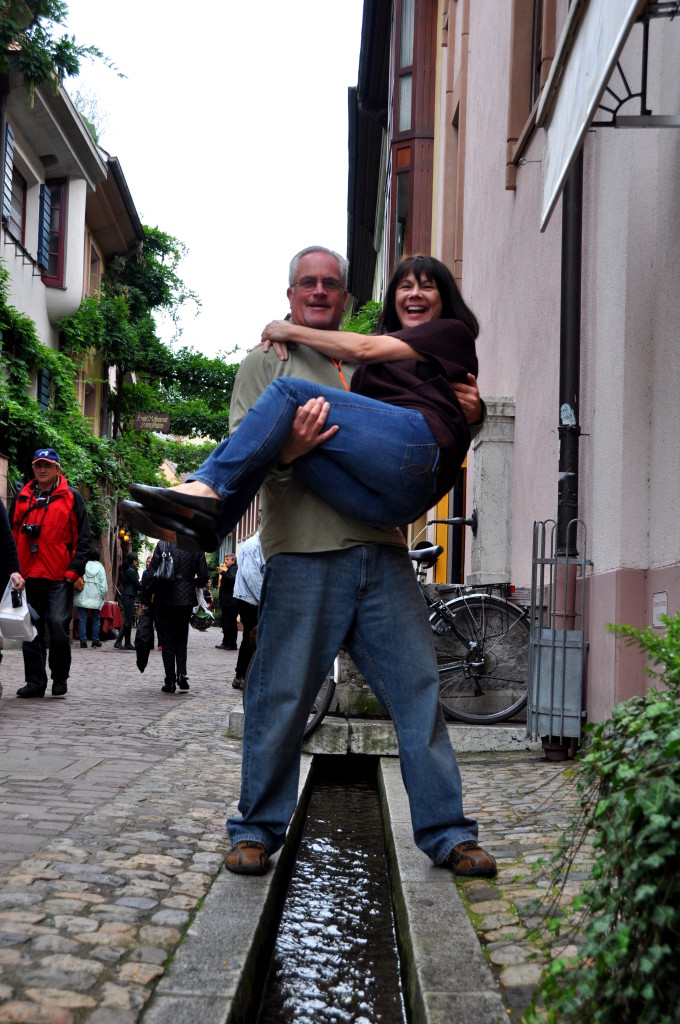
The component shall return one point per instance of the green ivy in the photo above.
(363, 322)
(626, 971)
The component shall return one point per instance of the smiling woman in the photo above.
(381, 453)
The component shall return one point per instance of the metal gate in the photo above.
(557, 645)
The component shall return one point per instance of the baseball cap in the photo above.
(46, 455)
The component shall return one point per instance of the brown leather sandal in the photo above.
(248, 858)
(469, 859)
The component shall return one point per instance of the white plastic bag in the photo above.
(15, 620)
(201, 616)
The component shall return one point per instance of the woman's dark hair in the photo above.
(130, 559)
(453, 306)
(94, 555)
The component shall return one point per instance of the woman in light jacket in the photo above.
(91, 598)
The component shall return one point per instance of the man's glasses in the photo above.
(308, 284)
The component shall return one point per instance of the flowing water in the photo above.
(336, 957)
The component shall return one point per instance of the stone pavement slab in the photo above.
(114, 903)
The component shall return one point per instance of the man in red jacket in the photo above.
(52, 534)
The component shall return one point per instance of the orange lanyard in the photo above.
(338, 366)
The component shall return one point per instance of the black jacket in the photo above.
(191, 571)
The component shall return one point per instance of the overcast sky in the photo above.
(231, 130)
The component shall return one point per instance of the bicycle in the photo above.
(481, 641)
(322, 701)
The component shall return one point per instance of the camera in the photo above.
(16, 599)
(31, 529)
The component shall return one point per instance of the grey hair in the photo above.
(343, 264)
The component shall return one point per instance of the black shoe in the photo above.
(183, 683)
(168, 688)
(59, 689)
(83, 644)
(96, 643)
(193, 508)
(30, 691)
(118, 646)
(222, 647)
(195, 537)
(128, 647)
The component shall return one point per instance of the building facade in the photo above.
(492, 63)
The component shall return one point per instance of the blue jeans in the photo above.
(381, 467)
(367, 598)
(52, 601)
(82, 623)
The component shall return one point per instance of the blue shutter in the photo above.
(44, 389)
(7, 175)
(44, 226)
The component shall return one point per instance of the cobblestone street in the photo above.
(112, 810)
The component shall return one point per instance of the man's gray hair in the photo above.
(343, 263)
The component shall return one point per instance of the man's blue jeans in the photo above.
(381, 467)
(52, 601)
(367, 598)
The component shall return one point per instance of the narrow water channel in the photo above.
(336, 957)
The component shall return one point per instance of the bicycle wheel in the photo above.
(323, 699)
(482, 647)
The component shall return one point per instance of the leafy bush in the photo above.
(626, 971)
(365, 321)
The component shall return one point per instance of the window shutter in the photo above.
(43, 389)
(7, 174)
(44, 226)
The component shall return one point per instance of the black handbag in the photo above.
(166, 570)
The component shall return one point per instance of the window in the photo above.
(7, 174)
(93, 267)
(53, 274)
(401, 240)
(16, 223)
(43, 389)
(532, 48)
(405, 73)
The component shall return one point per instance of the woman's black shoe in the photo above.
(180, 532)
(197, 510)
(183, 683)
(168, 688)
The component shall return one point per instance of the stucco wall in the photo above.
(630, 358)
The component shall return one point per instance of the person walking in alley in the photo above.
(359, 590)
(52, 535)
(227, 578)
(130, 587)
(91, 598)
(173, 603)
(247, 590)
(9, 560)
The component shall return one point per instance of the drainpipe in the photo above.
(569, 429)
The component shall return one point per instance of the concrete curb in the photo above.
(446, 976)
(377, 738)
(215, 976)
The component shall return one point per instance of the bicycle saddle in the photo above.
(426, 556)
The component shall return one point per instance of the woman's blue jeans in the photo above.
(366, 598)
(381, 467)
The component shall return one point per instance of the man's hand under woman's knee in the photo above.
(307, 431)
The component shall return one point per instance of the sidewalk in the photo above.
(112, 890)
